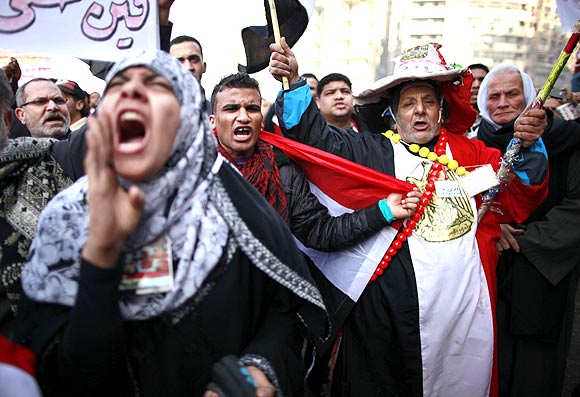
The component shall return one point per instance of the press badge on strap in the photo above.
(479, 180)
(149, 270)
(447, 189)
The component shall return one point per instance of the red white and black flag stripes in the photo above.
(293, 17)
(350, 184)
(343, 186)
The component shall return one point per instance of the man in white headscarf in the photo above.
(539, 264)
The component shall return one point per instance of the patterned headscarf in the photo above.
(528, 85)
(178, 204)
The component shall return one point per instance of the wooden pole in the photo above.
(560, 64)
(276, 28)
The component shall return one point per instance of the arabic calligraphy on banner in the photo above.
(92, 29)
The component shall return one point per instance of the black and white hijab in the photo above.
(178, 205)
(186, 201)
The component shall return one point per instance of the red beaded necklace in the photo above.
(439, 161)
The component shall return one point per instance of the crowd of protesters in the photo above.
(157, 241)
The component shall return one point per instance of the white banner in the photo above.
(92, 29)
(569, 13)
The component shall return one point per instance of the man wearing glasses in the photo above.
(41, 107)
(29, 178)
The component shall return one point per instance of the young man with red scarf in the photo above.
(237, 121)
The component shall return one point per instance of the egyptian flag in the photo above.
(445, 314)
(350, 184)
(342, 186)
(293, 16)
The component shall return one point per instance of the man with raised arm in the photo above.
(424, 323)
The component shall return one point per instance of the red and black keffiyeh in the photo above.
(262, 172)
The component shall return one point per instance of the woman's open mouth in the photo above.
(132, 135)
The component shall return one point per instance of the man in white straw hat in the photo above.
(423, 325)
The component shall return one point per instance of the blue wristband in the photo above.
(386, 211)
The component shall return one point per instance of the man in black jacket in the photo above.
(237, 120)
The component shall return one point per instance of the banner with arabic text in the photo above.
(92, 29)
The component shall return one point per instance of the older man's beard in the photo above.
(42, 131)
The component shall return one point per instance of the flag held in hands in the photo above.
(349, 184)
(293, 17)
(343, 186)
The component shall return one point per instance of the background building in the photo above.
(360, 37)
